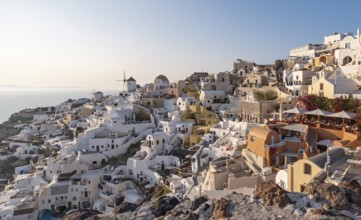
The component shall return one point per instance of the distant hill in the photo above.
(21, 87)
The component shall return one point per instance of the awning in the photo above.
(318, 112)
(326, 142)
(343, 114)
(296, 127)
(295, 111)
(289, 154)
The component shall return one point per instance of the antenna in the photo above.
(124, 80)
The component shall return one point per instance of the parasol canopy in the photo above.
(295, 110)
(343, 114)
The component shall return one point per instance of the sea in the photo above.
(12, 101)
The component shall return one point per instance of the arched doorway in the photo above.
(346, 60)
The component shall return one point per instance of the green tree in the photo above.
(142, 115)
(279, 65)
(265, 95)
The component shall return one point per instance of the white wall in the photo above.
(282, 176)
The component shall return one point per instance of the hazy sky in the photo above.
(90, 43)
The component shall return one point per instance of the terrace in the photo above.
(323, 119)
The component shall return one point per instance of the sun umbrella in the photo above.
(343, 115)
(318, 112)
(295, 111)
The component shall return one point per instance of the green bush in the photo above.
(113, 161)
(142, 115)
(160, 191)
(266, 95)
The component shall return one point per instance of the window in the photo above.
(307, 169)
(252, 138)
(49, 200)
(163, 141)
(321, 86)
(157, 141)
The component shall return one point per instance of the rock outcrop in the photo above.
(124, 207)
(271, 194)
(352, 191)
(82, 215)
(322, 201)
(331, 193)
(220, 211)
(164, 204)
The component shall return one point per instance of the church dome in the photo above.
(161, 78)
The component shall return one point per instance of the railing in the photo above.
(280, 144)
(60, 203)
(293, 139)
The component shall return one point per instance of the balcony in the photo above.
(280, 144)
(60, 203)
(107, 195)
(293, 139)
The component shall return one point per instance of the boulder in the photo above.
(330, 192)
(205, 210)
(191, 216)
(271, 194)
(164, 204)
(352, 191)
(219, 211)
(349, 214)
(294, 196)
(145, 208)
(197, 202)
(125, 207)
(319, 212)
(298, 212)
(148, 216)
(289, 207)
(82, 214)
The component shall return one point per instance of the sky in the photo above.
(87, 43)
